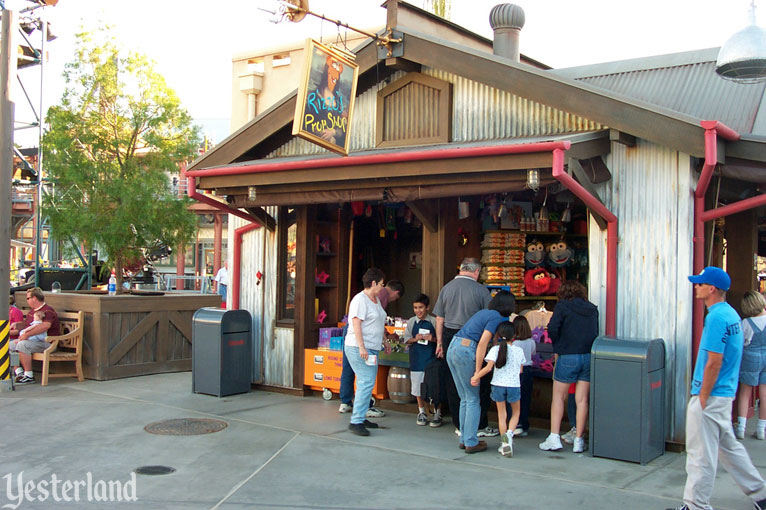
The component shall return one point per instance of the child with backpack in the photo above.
(420, 337)
(507, 360)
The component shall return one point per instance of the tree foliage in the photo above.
(441, 8)
(109, 147)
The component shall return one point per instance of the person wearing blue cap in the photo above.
(709, 431)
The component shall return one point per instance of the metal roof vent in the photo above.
(743, 57)
(506, 20)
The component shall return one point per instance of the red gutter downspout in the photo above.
(611, 236)
(237, 270)
(701, 216)
(191, 190)
(387, 158)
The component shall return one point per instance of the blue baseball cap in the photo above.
(714, 276)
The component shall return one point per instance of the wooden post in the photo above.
(7, 74)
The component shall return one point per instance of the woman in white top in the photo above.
(364, 339)
(752, 371)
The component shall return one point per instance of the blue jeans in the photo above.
(365, 381)
(346, 381)
(462, 363)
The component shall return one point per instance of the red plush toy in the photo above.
(537, 281)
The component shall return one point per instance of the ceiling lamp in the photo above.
(743, 57)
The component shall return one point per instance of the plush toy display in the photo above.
(559, 254)
(537, 281)
(541, 282)
(535, 255)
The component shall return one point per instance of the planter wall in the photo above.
(131, 335)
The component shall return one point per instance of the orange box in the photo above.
(322, 369)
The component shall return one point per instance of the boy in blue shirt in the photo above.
(420, 337)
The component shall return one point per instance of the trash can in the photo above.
(627, 399)
(222, 361)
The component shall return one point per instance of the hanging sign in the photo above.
(326, 97)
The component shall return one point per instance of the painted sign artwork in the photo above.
(326, 98)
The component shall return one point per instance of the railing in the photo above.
(201, 284)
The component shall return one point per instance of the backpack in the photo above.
(434, 389)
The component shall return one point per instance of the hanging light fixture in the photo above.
(533, 179)
(251, 194)
(743, 57)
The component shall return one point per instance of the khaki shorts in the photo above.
(28, 346)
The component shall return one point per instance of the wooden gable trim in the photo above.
(399, 136)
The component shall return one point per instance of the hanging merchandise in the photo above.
(535, 255)
(390, 218)
(463, 210)
(357, 208)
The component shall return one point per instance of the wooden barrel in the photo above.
(399, 386)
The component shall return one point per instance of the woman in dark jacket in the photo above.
(572, 329)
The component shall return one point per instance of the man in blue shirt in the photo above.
(709, 431)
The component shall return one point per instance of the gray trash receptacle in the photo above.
(627, 399)
(222, 361)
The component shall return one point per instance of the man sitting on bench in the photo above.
(26, 346)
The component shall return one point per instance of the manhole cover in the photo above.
(186, 427)
(154, 470)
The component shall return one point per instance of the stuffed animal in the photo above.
(537, 281)
(535, 255)
(559, 254)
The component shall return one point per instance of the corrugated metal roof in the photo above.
(683, 82)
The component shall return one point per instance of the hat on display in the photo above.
(714, 276)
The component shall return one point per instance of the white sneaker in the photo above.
(488, 432)
(508, 437)
(579, 445)
(374, 412)
(739, 432)
(760, 434)
(345, 408)
(506, 449)
(457, 433)
(552, 443)
(569, 437)
(422, 419)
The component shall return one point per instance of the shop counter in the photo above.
(322, 370)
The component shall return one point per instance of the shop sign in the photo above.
(326, 97)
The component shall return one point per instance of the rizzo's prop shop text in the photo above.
(326, 97)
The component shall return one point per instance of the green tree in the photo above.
(110, 147)
(441, 8)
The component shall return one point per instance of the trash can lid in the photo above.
(640, 350)
(230, 321)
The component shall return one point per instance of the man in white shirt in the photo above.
(222, 280)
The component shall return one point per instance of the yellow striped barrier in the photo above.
(5, 356)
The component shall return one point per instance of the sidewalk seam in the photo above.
(243, 482)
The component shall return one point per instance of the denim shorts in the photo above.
(572, 368)
(505, 394)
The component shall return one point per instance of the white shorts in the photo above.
(417, 379)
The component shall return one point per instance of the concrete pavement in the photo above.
(285, 452)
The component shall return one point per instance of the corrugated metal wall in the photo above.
(651, 194)
(272, 347)
(479, 113)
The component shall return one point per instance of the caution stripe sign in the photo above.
(5, 357)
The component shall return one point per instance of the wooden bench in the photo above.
(65, 347)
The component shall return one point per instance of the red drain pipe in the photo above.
(713, 129)
(389, 157)
(191, 190)
(611, 236)
(237, 269)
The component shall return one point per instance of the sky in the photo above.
(193, 41)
